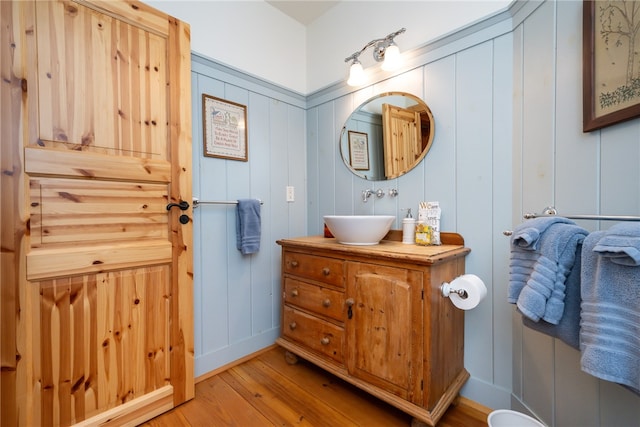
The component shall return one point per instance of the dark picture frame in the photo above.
(224, 129)
(610, 92)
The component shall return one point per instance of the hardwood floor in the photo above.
(266, 391)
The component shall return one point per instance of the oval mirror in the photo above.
(387, 136)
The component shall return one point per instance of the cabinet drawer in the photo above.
(314, 298)
(326, 270)
(316, 334)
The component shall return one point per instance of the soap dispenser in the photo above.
(408, 228)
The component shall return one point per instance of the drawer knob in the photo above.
(294, 264)
(293, 325)
(326, 303)
(294, 292)
(326, 271)
(325, 341)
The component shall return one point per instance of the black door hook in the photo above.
(183, 205)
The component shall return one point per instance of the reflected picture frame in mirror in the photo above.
(358, 150)
(399, 128)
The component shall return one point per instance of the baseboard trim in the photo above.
(206, 364)
(237, 362)
(486, 394)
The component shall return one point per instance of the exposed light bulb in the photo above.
(383, 50)
(356, 74)
(391, 58)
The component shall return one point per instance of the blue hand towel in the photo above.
(527, 235)
(248, 226)
(610, 318)
(568, 329)
(525, 242)
(621, 244)
(543, 295)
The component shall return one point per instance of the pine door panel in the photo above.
(77, 211)
(84, 164)
(102, 83)
(104, 341)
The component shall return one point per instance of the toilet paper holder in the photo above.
(465, 291)
(446, 289)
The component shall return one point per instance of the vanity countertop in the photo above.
(452, 247)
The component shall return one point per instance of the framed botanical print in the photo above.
(611, 80)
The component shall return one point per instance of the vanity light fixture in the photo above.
(384, 49)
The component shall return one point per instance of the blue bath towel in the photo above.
(521, 264)
(610, 318)
(248, 226)
(543, 295)
(525, 242)
(568, 328)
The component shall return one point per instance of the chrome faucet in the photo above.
(366, 194)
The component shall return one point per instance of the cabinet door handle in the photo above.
(326, 271)
(350, 302)
(325, 341)
(326, 303)
(293, 325)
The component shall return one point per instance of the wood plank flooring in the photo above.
(266, 391)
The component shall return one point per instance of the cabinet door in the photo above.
(384, 327)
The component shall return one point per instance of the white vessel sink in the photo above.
(359, 229)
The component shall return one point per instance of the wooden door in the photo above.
(384, 327)
(96, 309)
(402, 139)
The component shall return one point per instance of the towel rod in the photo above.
(550, 211)
(197, 202)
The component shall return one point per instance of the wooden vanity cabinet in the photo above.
(374, 316)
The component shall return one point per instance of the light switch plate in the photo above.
(291, 196)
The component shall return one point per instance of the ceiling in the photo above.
(303, 11)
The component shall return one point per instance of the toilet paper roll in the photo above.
(473, 286)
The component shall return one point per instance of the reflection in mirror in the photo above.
(387, 136)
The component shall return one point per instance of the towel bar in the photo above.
(197, 202)
(550, 211)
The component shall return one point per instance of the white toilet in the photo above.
(509, 418)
